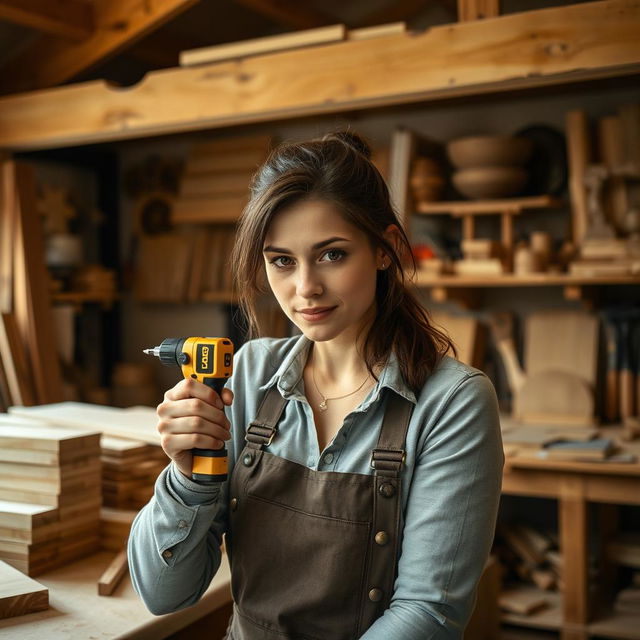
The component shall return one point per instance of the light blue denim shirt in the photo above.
(451, 489)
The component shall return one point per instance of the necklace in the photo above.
(323, 405)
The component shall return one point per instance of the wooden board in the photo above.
(7, 210)
(122, 423)
(20, 594)
(32, 296)
(443, 61)
(14, 361)
(113, 574)
(579, 156)
(563, 341)
(467, 335)
(308, 37)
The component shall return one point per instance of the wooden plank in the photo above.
(14, 360)
(7, 212)
(377, 31)
(63, 18)
(20, 594)
(579, 156)
(209, 210)
(134, 425)
(32, 292)
(118, 23)
(112, 575)
(245, 48)
(588, 41)
(401, 154)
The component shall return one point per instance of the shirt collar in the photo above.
(289, 373)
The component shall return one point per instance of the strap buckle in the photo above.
(260, 434)
(388, 459)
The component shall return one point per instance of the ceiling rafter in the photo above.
(50, 61)
(64, 18)
(290, 14)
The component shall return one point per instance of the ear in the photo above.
(393, 236)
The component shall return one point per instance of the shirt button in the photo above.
(167, 554)
(328, 458)
(182, 524)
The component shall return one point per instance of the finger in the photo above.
(227, 396)
(190, 425)
(177, 445)
(193, 407)
(190, 388)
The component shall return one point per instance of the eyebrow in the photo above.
(318, 245)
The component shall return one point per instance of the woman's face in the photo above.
(322, 270)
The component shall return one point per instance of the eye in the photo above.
(333, 255)
(281, 262)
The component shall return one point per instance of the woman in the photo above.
(366, 461)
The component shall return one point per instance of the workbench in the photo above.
(77, 611)
(575, 486)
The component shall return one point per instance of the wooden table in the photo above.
(575, 485)
(77, 611)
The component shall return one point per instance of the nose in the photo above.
(308, 284)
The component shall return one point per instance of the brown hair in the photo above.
(337, 168)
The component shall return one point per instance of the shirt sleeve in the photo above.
(174, 544)
(449, 519)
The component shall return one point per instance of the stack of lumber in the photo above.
(215, 184)
(49, 494)
(129, 472)
(29, 368)
(115, 525)
(130, 452)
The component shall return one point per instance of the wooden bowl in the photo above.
(489, 151)
(489, 182)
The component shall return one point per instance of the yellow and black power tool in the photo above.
(210, 361)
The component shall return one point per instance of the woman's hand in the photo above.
(192, 416)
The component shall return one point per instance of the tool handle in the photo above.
(210, 465)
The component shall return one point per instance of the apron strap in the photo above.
(389, 455)
(262, 430)
(387, 460)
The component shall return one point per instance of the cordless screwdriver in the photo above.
(210, 361)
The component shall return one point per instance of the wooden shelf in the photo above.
(511, 280)
(514, 206)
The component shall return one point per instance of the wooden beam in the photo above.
(289, 14)
(118, 23)
(64, 18)
(532, 49)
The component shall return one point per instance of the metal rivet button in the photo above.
(375, 595)
(234, 504)
(182, 524)
(387, 490)
(167, 554)
(382, 537)
(247, 461)
(328, 458)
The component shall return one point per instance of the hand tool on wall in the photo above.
(210, 361)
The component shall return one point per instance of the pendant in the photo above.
(323, 405)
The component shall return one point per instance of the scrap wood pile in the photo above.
(532, 568)
(29, 367)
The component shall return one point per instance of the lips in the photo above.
(315, 314)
